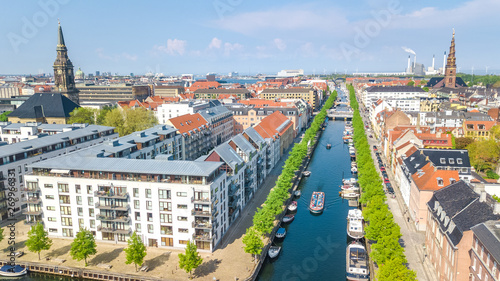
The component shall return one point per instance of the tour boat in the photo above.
(288, 218)
(317, 202)
(306, 173)
(297, 193)
(357, 262)
(13, 270)
(293, 206)
(328, 146)
(281, 233)
(274, 251)
(355, 224)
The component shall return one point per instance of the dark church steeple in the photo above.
(63, 70)
(450, 75)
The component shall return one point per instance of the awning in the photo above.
(57, 171)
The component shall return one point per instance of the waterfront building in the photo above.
(310, 95)
(278, 130)
(404, 104)
(485, 252)
(16, 158)
(375, 93)
(264, 159)
(64, 77)
(452, 212)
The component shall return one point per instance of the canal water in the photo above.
(315, 245)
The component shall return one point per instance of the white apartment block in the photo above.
(17, 132)
(405, 104)
(395, 92)
(15, 160)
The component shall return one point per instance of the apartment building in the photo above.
(220, 122)
(94, 94)
(310, 95)
(374, 93)
(17, 132)
(196, 135)
(452, 212)
(15, 160)
(485, 252)
(222, 93)
(276, 127)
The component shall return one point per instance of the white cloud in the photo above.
(307, 50)
(129, 56)
(280, 44)
(173, 47)
(215, 43)
(229, 48)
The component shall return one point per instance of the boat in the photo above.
(288, 218)
(293, 206)
(13, 270)
(328, 146)
(274, 251)
(306, 173)
(357, 262)
(297, 193)
(354, 170)
(352, 151)
(355, 224)
(281, 232)
(350, 181)
(349, 194)
(350, 188)
(317, 202)
(346, 140)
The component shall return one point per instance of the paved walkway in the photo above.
(412, 240)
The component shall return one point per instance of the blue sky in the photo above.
(248, 36)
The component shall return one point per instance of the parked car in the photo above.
(375, 148)
(382, 168)
(371, 136)
(386, 180)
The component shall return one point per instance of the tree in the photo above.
(426, 89)
(138, 119)
(83, 246)
(38, 239)
(115, 118)
(101, 114)
(1, 234)
(253, 243)
(395, 270)
(82, 115)
(411, 83)
(190, 259)
(484, 154)
(3, 116)
(136, 251)
(462, 143)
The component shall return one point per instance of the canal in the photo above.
(315, 245)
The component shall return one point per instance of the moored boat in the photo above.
(288, 218)
(273, 251)
(354, 170)
(281, 232)
(293, 206)
(306, 173)
(355, 224)
(328, 146)
(349, 194)
(317, 202)
(357, 263)
(297, 193)
(13, 270)
(350, 181)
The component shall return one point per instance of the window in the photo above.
(52, 229)
(137, 204)
(179, 206)
(81, 224)
(49, 197)
(149, 205)
(183, 241)
(51, 208)
(164, 194)
(481, 126)
(470, 126)
(166, 230)
(63, 187)
(452, 180)
(148, 193)
(150, 228)
(183, 230)
(138, 227)
(92, 223)
(150, 217)
(165, 206)
(80, 212)
(91, 212)
(67, 221)
(182, 218)
(442, 160)
(137, 216)
(136, 192)
(451, 160)
(48, 185)
(440, 182)
(52, 219)
(182, 194)
(66, 210)
(78, 200)
(89, 189)
(459, 161)
(165, 218)
(78, 189)
(90, 201)
(67, 232)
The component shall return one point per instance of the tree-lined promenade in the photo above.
(381, 230)
(264, 218)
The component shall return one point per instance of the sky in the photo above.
(248, 36)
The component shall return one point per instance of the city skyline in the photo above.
(247, 36)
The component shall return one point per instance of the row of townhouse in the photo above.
(15, 160)
(130, 184)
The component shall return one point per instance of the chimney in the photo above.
(415, 62)
(409, 64)
(496, 208)
(478, 188)
(433, 59)
(444, 63)
(482, 196)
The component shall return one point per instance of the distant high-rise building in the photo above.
(97, 73)
(63, 71)
(210, 76)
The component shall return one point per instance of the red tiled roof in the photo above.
(427, 179)
(189, 123)
(268, 127)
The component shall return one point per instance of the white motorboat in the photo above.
(349, 194)
(293, 206)
(350, 181)
(306, 173)
(357, 263)
(354, 170)
(274, 251)
(297, 193)
(355, 224)
(13, 270)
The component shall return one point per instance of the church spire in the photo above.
(451, 66)
(64, 78)
(60, 41)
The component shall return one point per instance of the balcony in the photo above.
(202, 237)
(30, 189)
(248, 182)
(32, 200)
(199, 224)
(105, 194)
(33, 222)
(124, 219)
(233, 189)
(200, 200)
(201, 213)
(124, 208)
(126, 231)
(248, 172)
(32, 212)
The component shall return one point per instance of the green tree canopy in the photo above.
(462, 143)
(82, 115)
(38, 239)
(83, 246)
(1, 234)
(129, 120)
(190, 259)
(115, 118)
(3, 116)
(395, 270)
(253, 243)
(484, 154)
(411, 83)
(136, 250)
